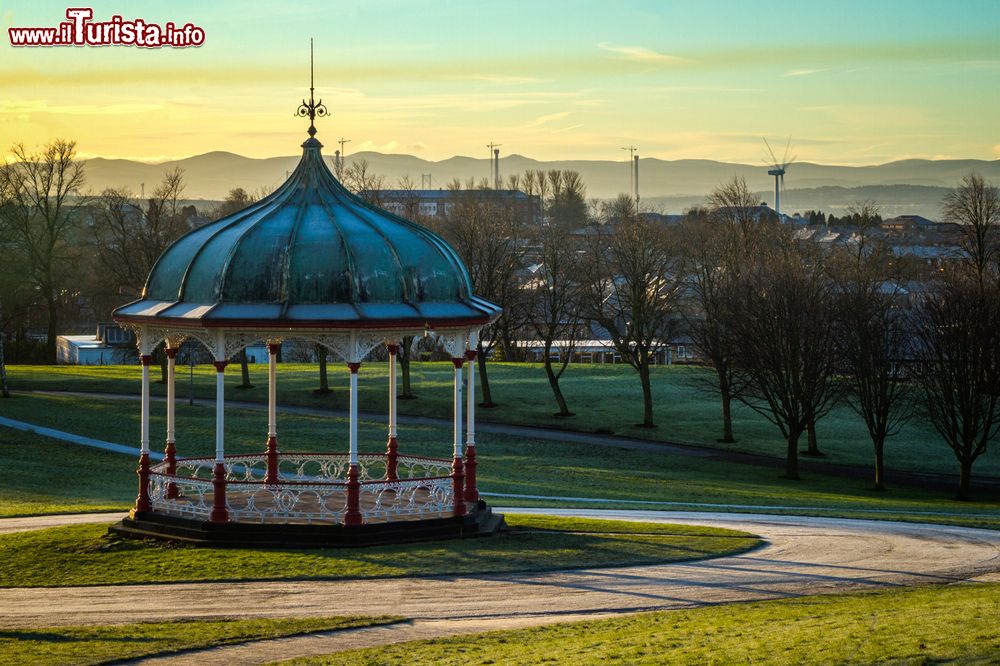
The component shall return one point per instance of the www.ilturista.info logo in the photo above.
(79, 30)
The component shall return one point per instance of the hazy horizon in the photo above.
(328, 153)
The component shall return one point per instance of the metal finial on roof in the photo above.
(311, 109)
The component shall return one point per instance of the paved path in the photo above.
(933, 481)
(802, 556)
(28, 523)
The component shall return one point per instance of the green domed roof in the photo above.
(311, 253)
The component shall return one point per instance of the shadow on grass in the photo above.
(58, 637)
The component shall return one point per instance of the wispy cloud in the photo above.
(541, 120)
(498, 79)
(41, 106)
(642, 54)
(804, 72)
(388, 147)
(579, 125)
(700, 89)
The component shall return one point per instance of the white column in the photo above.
(470, 430)
(220, 398)
(144, 436)
(392, 394)
(171, 396)
(458, 410)
(272, 393)
(470, 435)
(220, 418)
(354, 413)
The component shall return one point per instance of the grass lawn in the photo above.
(605, 398)
(87, 555)
(912, 626)
(65, 646)
(42, 475)
(43, 472)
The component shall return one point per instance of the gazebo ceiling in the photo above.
(310, 255)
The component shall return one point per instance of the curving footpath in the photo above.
(802, 555)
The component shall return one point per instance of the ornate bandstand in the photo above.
(313, 263)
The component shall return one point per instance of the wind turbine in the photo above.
(778, 171)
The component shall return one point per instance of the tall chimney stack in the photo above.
(635, 180)
(496, 168)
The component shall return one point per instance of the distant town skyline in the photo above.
(851, 82)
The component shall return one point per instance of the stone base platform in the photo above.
(480, 522)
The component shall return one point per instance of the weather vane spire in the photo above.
(312, 108)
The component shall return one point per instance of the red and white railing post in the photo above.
(392, 446)
(471, 490)
(220, 514)
(457, 468)
(170, 451)
(353, 514)
(142, 501)
(271, 476)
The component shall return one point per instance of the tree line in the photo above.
(791, 328)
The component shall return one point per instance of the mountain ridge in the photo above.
(211, 175)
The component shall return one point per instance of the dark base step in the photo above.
(481, 522)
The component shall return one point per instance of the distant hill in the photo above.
(677, 184)
(893, 200)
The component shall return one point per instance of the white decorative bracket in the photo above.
(454, 342)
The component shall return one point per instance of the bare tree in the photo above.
(632, 289)
(410, 200)
(127, 240)
(553, 298)
(4, 391)
(875, 336)
(566, 203)
(236, 200)
(488, 234)
(717, 240)
(11, 283)
(324, 381)
(405, 353)
(734, 204)
(975, 205)
(785, 354)
(959, 368)
(619, 210)
(959, 332)
(166, 197)
(359, 178)
(36, 187)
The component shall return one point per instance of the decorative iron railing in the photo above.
(311, 488)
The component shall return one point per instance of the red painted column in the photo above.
(392, 446)
(271, 476)
(353, 514)
(170, 452)
(142, 502)
(220, 514)
(471, 490)
(457, 468)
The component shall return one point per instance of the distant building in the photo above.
(680, 350)
(111, 345)
(908, 223)
(661, 218)
(413, 204)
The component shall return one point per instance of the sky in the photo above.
(850, 82)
